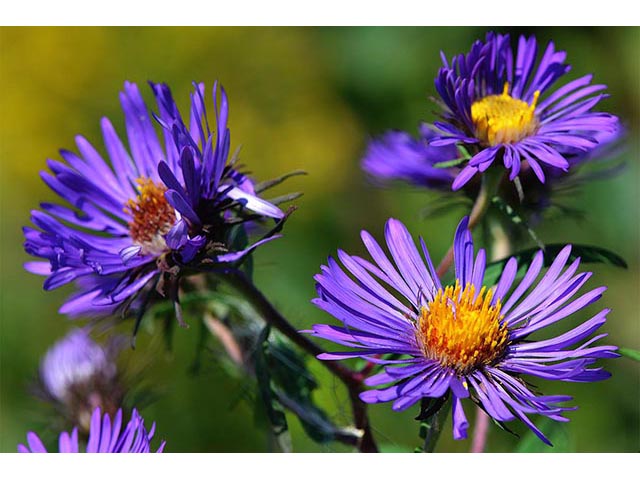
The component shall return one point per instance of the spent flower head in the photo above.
(77, 375)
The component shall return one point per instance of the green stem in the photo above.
(433, 426)
(490, 182)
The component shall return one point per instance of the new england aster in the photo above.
(399, 156)
(499, 105)
(464, 340)
(105, 437)
(77, 375)
(141, 219)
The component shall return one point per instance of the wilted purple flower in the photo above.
(104, 437)
(78, 375)
(496, 104)
(463, 340)
(399, 156)
(143, 218)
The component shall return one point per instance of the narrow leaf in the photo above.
(294, 386)
(630, 353)
(450, 163)
(285, 198)
(262, 186)
(556, 432)
(587, 254)
(464, 153)
(267, 400)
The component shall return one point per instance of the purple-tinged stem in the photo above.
(480, 432)
(500, 249)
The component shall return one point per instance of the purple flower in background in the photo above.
(79, 375)
(399, 156)
(104, 437)
(463, 340)
(499, 106)
(150, 212)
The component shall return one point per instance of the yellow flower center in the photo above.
(462, 330)
(152, 217)
(503, 119)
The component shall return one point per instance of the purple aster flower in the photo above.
(501, 107)
(399, 156)
(78, 375)
(104, 437)
(464, 340)
(142, 219)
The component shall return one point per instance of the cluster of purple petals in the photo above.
(378, 304)
(399, 156)
(565, 116)
(74, 360)
(105, 437)
(90, 243)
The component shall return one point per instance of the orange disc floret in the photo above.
(462, 330)
(152, 216)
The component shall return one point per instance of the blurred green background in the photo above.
(305, 98)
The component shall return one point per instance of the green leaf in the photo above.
(199, 349)
(262, 186)
(556, 432)
(281, 373)
(294, 385)
(630, 353)
(267, 401)
(587, 254)
(590, 254)
(432, 416)
(285, 198)
(464, 153)
(450, 163)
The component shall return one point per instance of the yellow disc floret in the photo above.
(503, 119)
(462, 330)
(152, 217)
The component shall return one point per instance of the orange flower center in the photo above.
(503, 119)
(152, 217)
(462, 330)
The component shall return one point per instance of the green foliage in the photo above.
(557, 432)
(268, 404)
(630, 353)
(432, 416)
(294, 388)
(282, 378)
(450, 163)
(464, 153)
